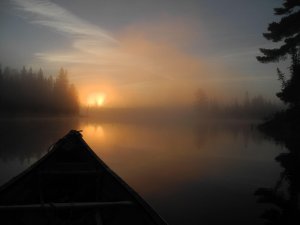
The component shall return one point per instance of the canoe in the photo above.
(72, 185)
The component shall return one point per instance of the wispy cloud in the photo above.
(49, 14)
(91, 44)
(85, 36)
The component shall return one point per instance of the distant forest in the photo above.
(256, 107)
(30, 92)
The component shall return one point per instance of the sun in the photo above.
(96, 99)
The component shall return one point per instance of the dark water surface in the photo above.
(204, 173)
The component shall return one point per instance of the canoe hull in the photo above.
(72, 185)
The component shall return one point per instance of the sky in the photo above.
(141, 52)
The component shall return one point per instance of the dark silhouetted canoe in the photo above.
(72, 185)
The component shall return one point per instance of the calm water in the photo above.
(204, 173)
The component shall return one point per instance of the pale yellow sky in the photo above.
(149, 66)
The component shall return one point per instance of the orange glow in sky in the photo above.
(96, 99)
(159, 57)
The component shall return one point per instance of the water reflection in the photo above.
(27, 138)
(170, 154)
(284, 196)
(188, 172)
(23, 141)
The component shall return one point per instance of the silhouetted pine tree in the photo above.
(287, 33)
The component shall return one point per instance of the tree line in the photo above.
(256, 107)
(31, 92)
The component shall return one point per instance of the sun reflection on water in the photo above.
(94, 134)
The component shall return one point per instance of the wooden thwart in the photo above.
(62, 206)
(71, 172)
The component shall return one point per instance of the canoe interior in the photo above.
(71, 185)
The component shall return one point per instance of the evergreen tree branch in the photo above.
(287, 8)
(288, 26)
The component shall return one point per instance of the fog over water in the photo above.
(187, 170)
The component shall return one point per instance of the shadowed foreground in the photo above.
(283, 197)
(71, 185)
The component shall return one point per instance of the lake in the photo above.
(191, 173)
